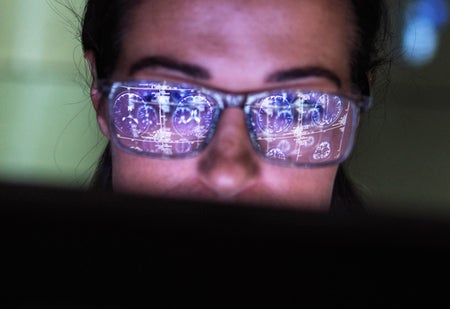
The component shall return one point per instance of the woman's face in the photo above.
(242, 46)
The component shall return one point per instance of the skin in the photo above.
(242, 46)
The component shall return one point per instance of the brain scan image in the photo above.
(132, 116)
(322, 151)
(193, 116)
(275, 115)
(326, 110)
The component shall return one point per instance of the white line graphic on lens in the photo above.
(275, 153)
(327, 110)
(132, 117)
(183, 146)
(323, 151)
(193, 116)
(280, 151)
(275, 115)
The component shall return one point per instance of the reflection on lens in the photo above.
(161, 119)
(327, 110)
(322, 151)
(284, 146)
(302, 127)
(289, 126)
(132, 117)
(274, 115)
(275, 153)
(193, 116)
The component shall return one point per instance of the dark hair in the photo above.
(103, 26)
(372, 34)
(102, 30)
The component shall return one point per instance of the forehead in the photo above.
(242, 31)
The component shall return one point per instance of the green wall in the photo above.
(47, 125)
(49, 135)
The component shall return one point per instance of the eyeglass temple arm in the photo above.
(365, 103)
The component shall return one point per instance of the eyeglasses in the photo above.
(167, 119)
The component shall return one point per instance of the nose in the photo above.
(229, 164)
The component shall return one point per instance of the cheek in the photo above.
(103, 117)
(150, 176)
(274, 186)
(302, 184)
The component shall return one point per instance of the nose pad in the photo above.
(229, 164)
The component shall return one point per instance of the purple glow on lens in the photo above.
(275, 115)
(193, 117)
(132, 117)
(327, 110)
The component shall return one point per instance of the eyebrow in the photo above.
(296, 73)
(172, 64)
(197, 71)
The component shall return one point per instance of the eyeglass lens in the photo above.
(308, 128)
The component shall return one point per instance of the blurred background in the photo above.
(49, 136)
